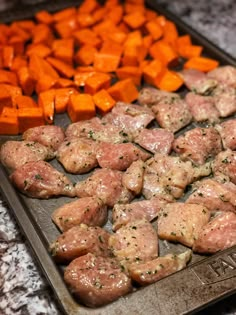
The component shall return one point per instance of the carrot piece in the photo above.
(133, 7)
(135, 20)
(96, 82)
(9, 112)
(133, 55)
(147, 41)
(183, 40)
(44, 17)
(14, 29)
(66, 28)
(170, 32)
(82, 75)
(80, 107)
(62, 97)
(64, 14)
(103, 101)
(8, 94)
(85, 20)
(18, 44)
(201, 63)
(152, 71)
(18, 62)
(88, 6)
(63, 49)
(40, 50)
(46, 101)
(87, 36)
(7, 56)
(5, 98)
(134, 39)
(40, 66)
(117, 36)
(154, 29)
(164, 52)
(63, 68)
(25, 101)
(161, 20)
(27, 80)
(64, 83)
(30, 117)
(134, 73)
(106, 62)
(85, 55)
(99, 14)
(189, 51)
(111, 47)
(8, 77)
(9, 125)
(150, 15)
(170, 81)
(42, 34)
(115, 14)
(124, 91)
(44, 83)
(104, 28)
(26, 25)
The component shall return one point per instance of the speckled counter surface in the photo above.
(23, 288)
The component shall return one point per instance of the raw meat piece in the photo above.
(149, 96)
(225, 100)
(198, 145)
(132, 178)
(227, 131)
(224, 74)
(202, 107)
(49, 136)
(198, 81)
(77, 155)
(96, 280)
(80, 240)
(143, 209)
(155, 140)
(135, 242)
(182, 222)
(225, 163)
(156, 269)
(172, 116)
(119, 156)
(87, 210)
(218, 234)
(41, 180)
(107, 185)
(15, 154)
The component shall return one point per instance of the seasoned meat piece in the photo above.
(172, 116)
(182, 222)
(202, 107)
(119, 156)
(129, 117)
(96, 280)
(48, 135)
(15, 154)
(41, 180)
(97, 130)
(155, 140)
(87, 210)
(227, 131)
(80, 240)
(132, 178)
(198, 81)
(225, 163)
(156, 269)
(149, 96)
(78, 155)
(214, 195)
(171, 174)
(144, 209)
(218, 234)
(107, 185)
(224, 74)
(225, 100)
(135, 242)
(198, 145)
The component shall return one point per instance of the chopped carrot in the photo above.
(150, 14)
(9, 112)
(63, 49)
(111, 47)
(26, 25)
(46, 101)
(42, 34)
(27, 80)
(80, 107)
(18, 44)
(99, 14)
(25, 101)
(40, 66)
(133, 7)
(147, 41)
(9, 125)
(96, 82)
(135, 19)
(66, 28)
(64, 14)
(88, 6)
(87, 36)
(134, 39)
(62, 97)
(14, 29)
(189, 51)
(63, 68)
(85, 55)
(201, 63)
(44, 17)
(30, 117)
(64, 83)
(5, 98)
(124, 91)
(154, 29)
(106, 62)
(170, 32)
(183, 40)
(134, 73)
(44, 83)
(81, 77)
(164, 52)
(170, 81)
(7, 56)
(161, 20)
(152, 71)
(8, 94)
(133, 55)
(115, 14)
(8, 77)
(85, 20)
(18, 62)
(40, 50)
(103, 101)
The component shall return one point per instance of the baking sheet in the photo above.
(205, 281)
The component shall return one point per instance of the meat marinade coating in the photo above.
(227, 131)
(218, 234)
(225, 163)
(88, 210)
(225, 100)
(14, 154)
(149, 96)
(97, 280)
(80, 240)
(224, 74)
(132, 178)
(41, 180)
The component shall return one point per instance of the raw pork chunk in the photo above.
(80, 240)
(224, 74)
(119, 156)
(218, 234)
(41, 180)
(173, 115)
(155, 140)
(107, 185)
(225, 100)
(202, 107)
(15, 154)
(96, 280)
(198, 145)
(156, 269)
(227, 131)
(182, 222)
(225, 163)
(149, 96)
(87, 210)
(78, 155)
(132, 178)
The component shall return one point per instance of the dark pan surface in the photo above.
(205, 281)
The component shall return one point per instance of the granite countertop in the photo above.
(23, 288)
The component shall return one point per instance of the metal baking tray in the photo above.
(205, 281)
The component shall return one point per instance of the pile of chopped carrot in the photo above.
(83, 60)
